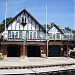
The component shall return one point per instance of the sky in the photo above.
(62, 12)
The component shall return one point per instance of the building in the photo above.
(25, 36)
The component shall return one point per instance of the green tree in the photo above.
(1, 26)
(45, 26)
(7, 20)
(3, 22)
(69, 29)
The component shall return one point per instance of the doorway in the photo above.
(33, 51)
(13, 51)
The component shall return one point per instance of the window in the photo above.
(27, 34)
(12, 34)
(32, 35)
(20, 34)
(9, 34)
(58, 35)
(38, 34)
(53, 36)
(16, 36)
(50, 35)
(22, 19)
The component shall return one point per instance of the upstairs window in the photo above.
(16, 35)
(24, 20)
(12, 34)
(9, 34)
(50, 36)
(58, 35)
(20, 34)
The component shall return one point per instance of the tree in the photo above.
(7, 20)
(1, 26)
(69, 29)
(3, 22)
(45, 26)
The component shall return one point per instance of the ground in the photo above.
(32, 62)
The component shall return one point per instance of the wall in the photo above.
(43, 50)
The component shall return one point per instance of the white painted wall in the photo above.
(5, 34)
(29, 26)
(53, 30)
(9, 28)
(13, 25)
(33, 25)
(37, 27)
(17, 26)
(21, 27)
(42, 34)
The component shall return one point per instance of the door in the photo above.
(54, 51)
(13, 51)
(33, 51)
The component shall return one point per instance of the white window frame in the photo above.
(32, 35)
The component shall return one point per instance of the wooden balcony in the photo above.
(61, 37)
(39, 38)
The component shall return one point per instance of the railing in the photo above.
(29, 36)
(38, 37)
(61, 37)
(68, 37)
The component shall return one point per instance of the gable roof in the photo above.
(54, 25)
(25, 11)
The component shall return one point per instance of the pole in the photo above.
(24, 48)
(67, 47)
(67, 50)
(46, 31)
(23, 44)
(47, 48)
(5, 15)
(46, 21)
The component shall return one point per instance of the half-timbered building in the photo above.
(25, 36)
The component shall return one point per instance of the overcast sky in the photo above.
(59, 11)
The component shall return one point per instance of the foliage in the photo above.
(45, 26)
(1, 26)
(3, 22)
(7, 20)
(69, 29)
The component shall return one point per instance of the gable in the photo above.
(54, 29)
(32, 23)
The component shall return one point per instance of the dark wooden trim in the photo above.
(28, 23)
(31, 24)
(35, 25)
(11, 26)
(15, 24)
(20, 21)
(39, 28)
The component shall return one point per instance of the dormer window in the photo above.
(24, 20)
